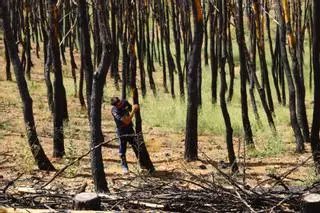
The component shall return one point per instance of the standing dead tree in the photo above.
(60, 111)
(39, 156)
(99, 78)
(191, 136)
(283, 14)
(315, 140)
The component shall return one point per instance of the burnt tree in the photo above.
(191, 135)
(291, 87)
(315, 140)
(243, 75)
(99, 79)
(40, 157)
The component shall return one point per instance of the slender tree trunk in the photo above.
(292, 91)
(222, 51)
(315, 140)
(191, 137)
(230, 58)
(297, 74)
(27, 42)
(213, 58)
(59, 96)
(175, 27)
(99, 78)
(8, 72)
(85, 49)
(139, 147)
(40, 157)
(243, 72)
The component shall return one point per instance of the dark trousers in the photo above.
(123, 140)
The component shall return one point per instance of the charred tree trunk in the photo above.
(315, 140)
(230, 57)
(222, 51)
(115, 60)
(243, 75)
(8, 72)
(150, 64)
(85, 48)
(176, 35)
(297, 72)
(292, 91)
(139, 41)
(261, 51)
(139, 147)
(59, 96)
(27, 42)
(99, 78)
(40, 157)
(213, 59)
(191, 135)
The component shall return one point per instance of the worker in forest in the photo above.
(123, 112)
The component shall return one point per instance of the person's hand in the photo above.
(135, 108)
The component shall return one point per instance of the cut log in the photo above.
(311, 203)
(86, 201)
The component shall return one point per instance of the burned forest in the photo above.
(160, 105)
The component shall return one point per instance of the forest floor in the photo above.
(166, 148)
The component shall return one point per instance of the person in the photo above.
(123, 112)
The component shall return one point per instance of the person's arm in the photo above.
(127, 119)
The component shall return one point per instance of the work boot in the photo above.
(124, 164)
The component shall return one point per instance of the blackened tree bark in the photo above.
(69, 23)
(230, 58)
(261, 51)
(85, 48)
(292, 91)
(40, 157)
(222, 52)
(27, 42)
(191, 135)
(140, 44)
(213, 59)
(150, 64)
(8, 72)
(162, 42)
(125, 62)
(81, 98)
(99, 78)
(170, 61)
(243, 73)
(59, 97)
(139, 147)
(176, 35)
(205, 33)
(47, 56)
(297, 71)
(315, 140)
(115, 60)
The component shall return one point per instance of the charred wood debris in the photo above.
(217, 192)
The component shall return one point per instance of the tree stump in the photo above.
(311, 203)
(86, 201)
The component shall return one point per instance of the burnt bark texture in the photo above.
(243, 75)
(99, 79)
(315, 140)
(40, 157)
(60, 111)
(191, 135)
(288, 73)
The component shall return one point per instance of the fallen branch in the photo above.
(82, 156)
(10, 183)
